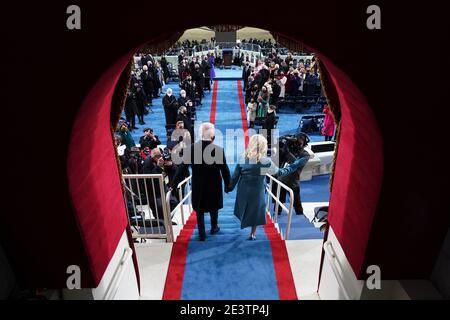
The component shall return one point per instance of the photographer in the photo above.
(157, 163)
(149, 139)
(292, 148)
(135, 161)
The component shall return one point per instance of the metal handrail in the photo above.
(226, 45)
(279, 203)
(334, 262)
(118, 275)
(182, 199)
(168, 235)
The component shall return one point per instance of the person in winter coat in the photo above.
(328, 124)
(249, 176)
(269, 123)
(251, 112)
(209, 168)
(170, 108)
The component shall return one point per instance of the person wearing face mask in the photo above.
(187, 122)
(269, 123)
(147, 83)
(206, 66)
(184, 100)
(211, 61)
(131, 109)
(125, 134)
(170, 109)
(141, 102)
(263, 102)
(188, 85)
(198, 78)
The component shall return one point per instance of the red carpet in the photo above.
(177, 264)
(243, 113)
(283, 271)
(212, 117)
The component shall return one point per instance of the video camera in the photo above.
(292, 142)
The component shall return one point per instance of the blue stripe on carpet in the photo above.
(227, 265)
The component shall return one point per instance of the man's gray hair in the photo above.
(207, 131)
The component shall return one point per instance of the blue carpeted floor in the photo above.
(227, 259)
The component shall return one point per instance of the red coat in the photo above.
(328, 124)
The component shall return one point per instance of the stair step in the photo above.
(227, 239)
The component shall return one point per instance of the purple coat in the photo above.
(212, 72)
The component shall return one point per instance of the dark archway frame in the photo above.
(95, 184)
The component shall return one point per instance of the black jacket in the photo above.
(144, 141)
(207, 189)
(170, 109)
(292, 180)
(269, 122)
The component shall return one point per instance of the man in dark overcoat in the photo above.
(209, 168)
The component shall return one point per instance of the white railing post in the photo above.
(141, 217)
(167, 221)
(291, 204)
(180, 195)
(279, 204)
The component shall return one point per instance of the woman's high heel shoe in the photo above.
(252, 237)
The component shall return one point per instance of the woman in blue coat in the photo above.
(249, 175)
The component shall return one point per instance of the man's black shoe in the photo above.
(202, 238)
(215, 230)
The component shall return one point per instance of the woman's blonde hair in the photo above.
(257, 148)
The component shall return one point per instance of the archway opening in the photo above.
(347, 142)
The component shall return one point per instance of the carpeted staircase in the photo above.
(228, 265)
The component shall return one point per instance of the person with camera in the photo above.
(158, 162)
(149, 139)
(293, 148)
